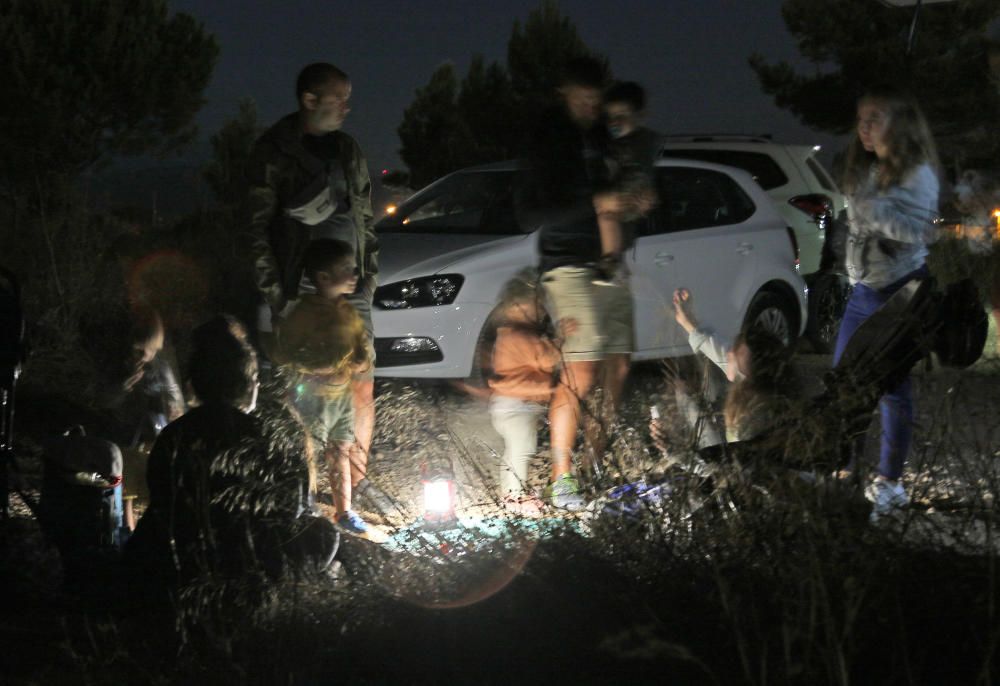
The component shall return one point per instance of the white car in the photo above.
(806, 197)
(447, 252)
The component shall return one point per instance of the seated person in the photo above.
(762, 397)
(757, 365)
(136, 385)
(225, 496)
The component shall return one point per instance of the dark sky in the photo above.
(691, 55)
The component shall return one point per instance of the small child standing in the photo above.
(323, 341)
(525, 358)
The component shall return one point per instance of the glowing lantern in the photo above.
(439, 494)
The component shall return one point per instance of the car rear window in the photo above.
(824, 179)
(473, 202)
(761, 166)
(691, 198)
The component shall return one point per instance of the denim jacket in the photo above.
(890, 229)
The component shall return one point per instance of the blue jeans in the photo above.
(896, 406)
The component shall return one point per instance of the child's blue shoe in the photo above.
(351, 523)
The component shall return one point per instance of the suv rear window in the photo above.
(824, 179)
(761, 166)
(697, 198)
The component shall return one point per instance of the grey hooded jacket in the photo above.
(890, 229)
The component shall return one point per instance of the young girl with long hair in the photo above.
(892, 186)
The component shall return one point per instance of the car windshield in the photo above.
(473, 202)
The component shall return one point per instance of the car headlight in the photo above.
(427, 291)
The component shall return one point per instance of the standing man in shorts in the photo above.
(566, 187)
(308, 180)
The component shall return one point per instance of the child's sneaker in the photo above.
(566, 494)
(885, 497)
(352, 523)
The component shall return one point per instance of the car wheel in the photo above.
(772, 313)
(827, 300)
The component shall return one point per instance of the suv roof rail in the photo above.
(709, 137)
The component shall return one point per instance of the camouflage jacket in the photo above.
(279, 169)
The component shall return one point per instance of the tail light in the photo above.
(819, 207)
(795, 245)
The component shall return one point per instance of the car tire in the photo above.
(773, 313)
(828, 295)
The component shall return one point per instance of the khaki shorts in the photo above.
(602, 310)
(330, 419)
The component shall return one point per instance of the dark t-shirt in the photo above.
(566, 167)
(211, 477)
(339, 224)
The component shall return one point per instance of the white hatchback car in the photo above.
(808, 199)
(448, 250)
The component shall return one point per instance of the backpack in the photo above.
(80, 508)
(962, 325)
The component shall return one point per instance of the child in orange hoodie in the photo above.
(525, 359)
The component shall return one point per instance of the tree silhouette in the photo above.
(87, 80)
(231, 146)
(858, 43)
(453, 124)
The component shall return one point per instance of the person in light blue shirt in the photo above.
(892, 187)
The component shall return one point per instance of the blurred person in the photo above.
(565, 186)
(308, 179)
(136, 390)
(632, 149)
(224, 492)
(323, 341)
(525, 360)
(892, 186)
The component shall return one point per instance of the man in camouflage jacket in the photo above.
(308, 179)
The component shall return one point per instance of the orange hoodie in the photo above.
(524, 363)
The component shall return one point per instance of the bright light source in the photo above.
(437, 497)
(391, 209)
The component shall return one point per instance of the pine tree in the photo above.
(452, 124)
(854, 44)
(84, 81)
(231, 146)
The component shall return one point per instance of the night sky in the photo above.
(690, 55)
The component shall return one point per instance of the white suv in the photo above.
(805, 196)
(447, 252)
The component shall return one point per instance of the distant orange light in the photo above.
(406, 221)
(391, 209)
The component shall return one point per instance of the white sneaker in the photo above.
(885, 497)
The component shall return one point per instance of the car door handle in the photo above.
(744, 248)
(662, 259)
